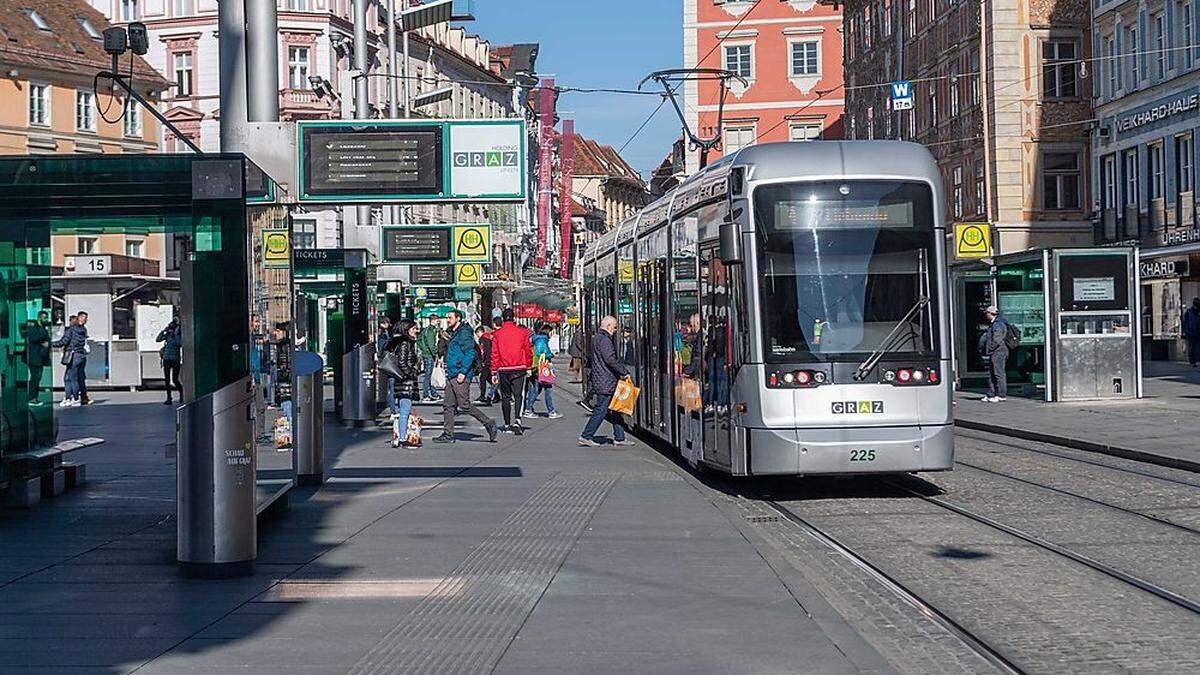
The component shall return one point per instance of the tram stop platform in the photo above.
(1161, 428)
(528, 555)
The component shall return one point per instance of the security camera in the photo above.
(115, 40)
(139, 39)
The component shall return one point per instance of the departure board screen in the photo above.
(431, 275)
(416, 244)
(372, 161)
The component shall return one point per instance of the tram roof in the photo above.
(768, 161)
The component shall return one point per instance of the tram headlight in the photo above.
(933, 376)
(789, 377)
(819, 377)
(918, 375)
(889, 376)
(803, 377)
(904, 375)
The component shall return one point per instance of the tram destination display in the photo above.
(372, 160)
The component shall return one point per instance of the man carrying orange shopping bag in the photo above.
(606, 371)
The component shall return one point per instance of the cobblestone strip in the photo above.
(466, 623)
(908, 638)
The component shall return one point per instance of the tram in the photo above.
(789, 310)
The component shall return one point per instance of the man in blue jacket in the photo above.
(460, 368)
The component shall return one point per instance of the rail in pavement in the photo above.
(1163, 428)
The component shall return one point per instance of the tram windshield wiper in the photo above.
(889, 341)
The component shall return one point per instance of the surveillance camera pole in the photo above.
(120, 81)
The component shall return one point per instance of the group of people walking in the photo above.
(512, 364)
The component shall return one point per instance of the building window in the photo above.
(85, 112)
(980, 188)
(1188, 22)
(1131, 51)
(135, 248)
(954, 95)
(957, 202)
(806, 58)
(887, 18)
(304, 233)
(912, 19)
(737, 137)
(1184, 176)
(1058, 69)
(1131, 178)
(1060, 180)
(181, 63)
(298, 67)
(1109, 177)
(933, 109)
(39, 105)
(1159, 22)
(298, 5)
(738, 60)
(88, 245)
(183, 7)
(129, 10)
(132, 120)
(1111, 68)
(1156, 170)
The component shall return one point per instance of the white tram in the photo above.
(789, 308)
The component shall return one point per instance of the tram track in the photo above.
(989, 653)
(1062, 551)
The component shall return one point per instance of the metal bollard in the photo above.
(308, 456)
(217, 530)
(358, 386)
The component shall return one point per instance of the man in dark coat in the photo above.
(602, 377)
(37, 353)
(74, 345)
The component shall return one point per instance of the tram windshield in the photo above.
(841, 264)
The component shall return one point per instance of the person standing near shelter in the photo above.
(512, 357)
(382, 338)
(483, 338)
(606, 370)
(575, 351)
(74, 345)
(171, 354)
(460, 368)
(1191, 331)
(427, 343)
(37, 354)
(994, 347)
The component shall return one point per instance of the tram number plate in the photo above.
(862, 455)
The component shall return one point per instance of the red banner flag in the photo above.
(565, 202)
(545, 165)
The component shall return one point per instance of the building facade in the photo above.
(48, 104)
(999, 96)
(1146, 89)
(789, 52)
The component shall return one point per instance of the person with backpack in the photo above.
(172, 358)
(427, 345)
(997, 341)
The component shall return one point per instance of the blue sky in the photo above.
(599, 43)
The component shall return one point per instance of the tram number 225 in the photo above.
(862, 455)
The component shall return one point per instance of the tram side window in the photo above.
(685, 301)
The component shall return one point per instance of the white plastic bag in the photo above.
(437, 379)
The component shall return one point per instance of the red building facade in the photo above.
(790, 54)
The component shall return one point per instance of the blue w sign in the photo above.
(902, 95)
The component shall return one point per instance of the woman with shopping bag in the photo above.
(605, 374)
(400, 362)
(541, 382)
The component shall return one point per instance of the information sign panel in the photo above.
(406, 161)
(277, 248)
(467, 275)
(431, 275)
(319, 259)
(416, 244)
(436, 244)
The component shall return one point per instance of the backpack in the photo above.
(1012, 336)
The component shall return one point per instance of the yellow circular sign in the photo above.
(277, 243)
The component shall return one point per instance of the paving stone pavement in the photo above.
(1163, 426)
(647, 575)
